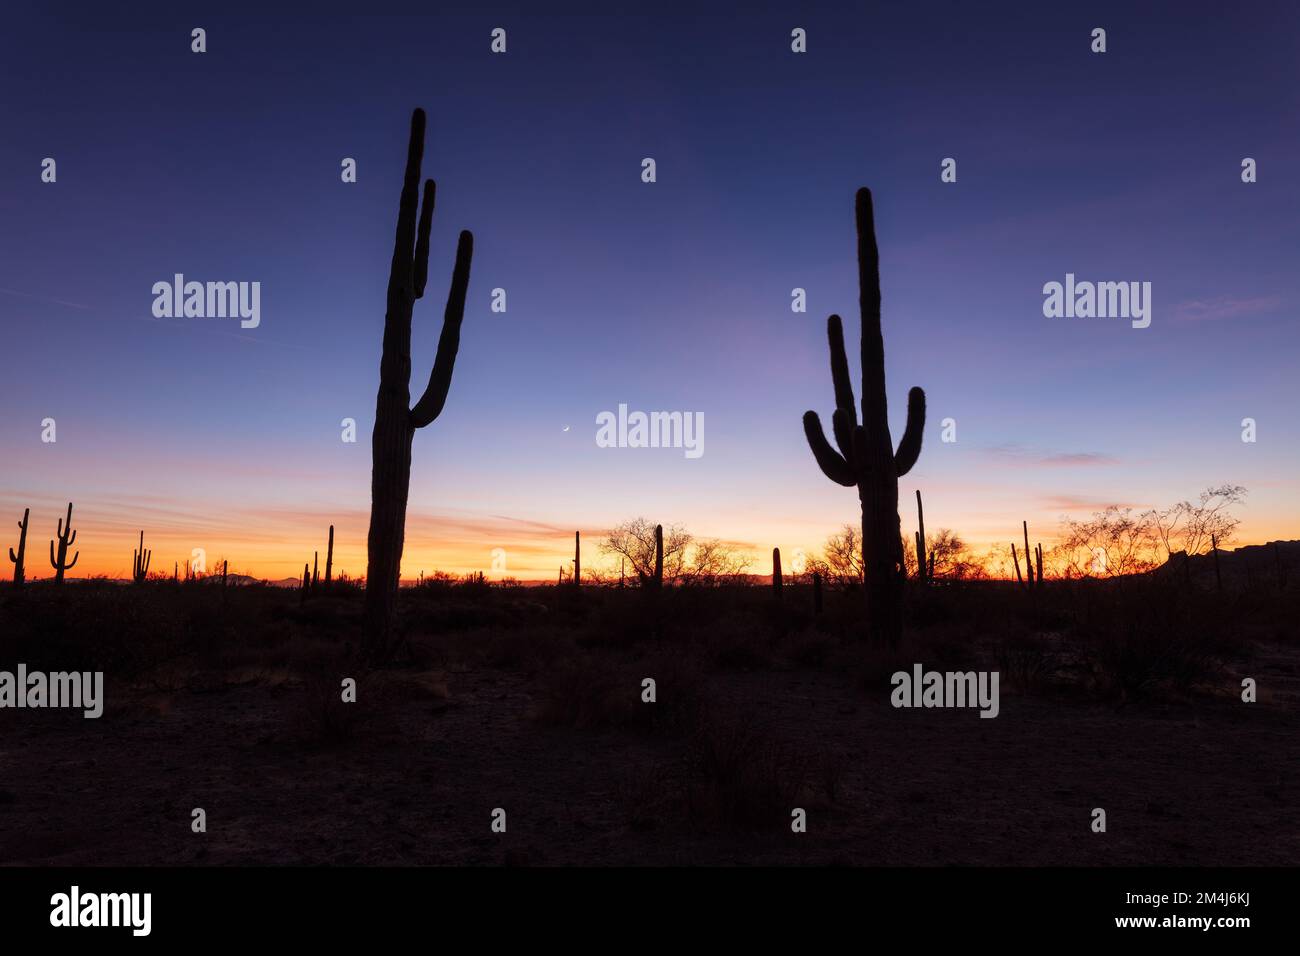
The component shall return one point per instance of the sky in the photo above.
(673, 295)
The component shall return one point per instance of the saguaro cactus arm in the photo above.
(909, 448)
(429, 407)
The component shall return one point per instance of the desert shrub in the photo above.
(1022, 660)
(738, 775)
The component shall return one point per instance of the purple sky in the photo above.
(1124, 166)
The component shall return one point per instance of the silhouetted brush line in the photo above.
(18, 559)
(395, 420)
(66, 536)
(866, 457)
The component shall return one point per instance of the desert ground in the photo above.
(1123, 695)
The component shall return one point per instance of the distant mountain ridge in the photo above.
(1277, 562)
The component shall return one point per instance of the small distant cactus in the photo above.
(1029, 561)
(921, 574)
(329, 561)
(776, 573)
(658, 579)
(17, 559)
(140, 562)
(66, 536)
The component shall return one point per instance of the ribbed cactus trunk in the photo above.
(66, 536)
(577, 559)
(18, 559)
(395, 420)
(776, 573)
(329, 560)
(866, 457)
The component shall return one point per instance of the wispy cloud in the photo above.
(1070, 503)
(1223, 307)
(1034, 457)
(43, 298)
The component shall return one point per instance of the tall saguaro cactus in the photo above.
(866, 457)
(17, 559)
(65, 538)
(776, 573)
(395, 420)
(329, 561)
(140, 562)
(577, 559)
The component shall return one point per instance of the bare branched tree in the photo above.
(635, 541)
(843, 556)
(1111, 543)
(1191, 527)
(712, 563)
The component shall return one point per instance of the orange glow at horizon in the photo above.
(458, 544)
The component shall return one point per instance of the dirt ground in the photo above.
(1205, 780)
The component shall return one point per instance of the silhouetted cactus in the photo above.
(921, 574)
(225, 567)
(329, 560)
(315, 570)
(657, 579)
(66, 536)
(1029, 561)
(1016, 559)
(18, 559)
(1038, 549)
(866, 456)
(395, 422)
(306, 583)
(140, 562)
(577, 559)
(776, 573)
